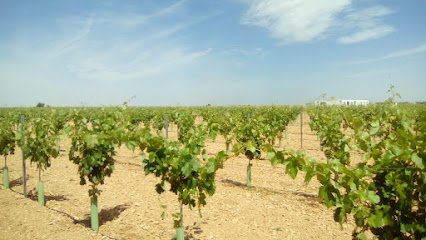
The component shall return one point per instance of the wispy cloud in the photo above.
(253, 52)
(147, 65)
(294, 21)
(308, 20)
(111, 47)
(70, 44)
(367, 24)
(397, 54)
(170, 9)
(133, 19)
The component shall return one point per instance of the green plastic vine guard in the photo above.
(94, 218)
(180, 234)
(286, 133)
(40, 191)
(5, 177)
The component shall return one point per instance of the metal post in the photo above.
(166, 125)
(24, 178)
(249, 174)
(301, 132)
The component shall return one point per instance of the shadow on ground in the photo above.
(17, 182)
(193, 230)
(105, 215)
(232, 182)
(310, 197)
(33, 195)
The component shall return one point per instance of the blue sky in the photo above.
(222, 52)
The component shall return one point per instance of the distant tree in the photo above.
(40, 104)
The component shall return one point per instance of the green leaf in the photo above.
(91, 140)
(86, 172)
(270, 155)
(186, 169)
(205, 155)
(376, 220)
(418, 161)
(374, 130)
(291, 170)
(310, 173)
(131, 145)
(346, 148)
(325, 193)
(274, 161)
(361, 236)
(251, 146)
(396, 150)
(210, 167)
(195, 166)
(359, 219)
(373, 197)
(339, 215)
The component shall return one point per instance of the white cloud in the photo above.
(308, 20)
(132, 19)
(258, 52)
(397, 54)
(118, 46)
(177, 6)
(367, 25)
(70, 44)
(145, 65)
(367, 34)
(294, 20)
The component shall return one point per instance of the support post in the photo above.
(301, 131)
(166, 126)
(24, 177)
(249, 174)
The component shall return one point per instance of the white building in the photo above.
(355, 102)
(327, 102)
(341, 102)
